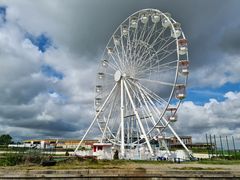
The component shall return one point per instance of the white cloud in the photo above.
(76, 27)
(224, 70)
(25, 100)
(214, 117)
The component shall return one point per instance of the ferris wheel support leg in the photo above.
(138, 118)
(95, 118)
(179, 139)
(122, 123)
(153, 120)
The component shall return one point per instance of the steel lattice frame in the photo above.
(141, 80)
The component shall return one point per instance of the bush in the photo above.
(32, 158)
(12, 159)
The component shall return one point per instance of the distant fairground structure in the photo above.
(140, 83)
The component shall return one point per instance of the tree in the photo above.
(5, 139)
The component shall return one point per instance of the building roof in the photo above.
(60, 140)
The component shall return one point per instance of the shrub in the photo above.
(12, 159)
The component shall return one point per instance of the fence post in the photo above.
(215, 144)
(211, 144)
(228, 146)
(207, 145)
(221, 145)
(235, 152)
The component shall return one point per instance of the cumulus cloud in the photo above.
(47, 105)
(37, 99)
(213, 117)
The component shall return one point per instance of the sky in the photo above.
(50, 51)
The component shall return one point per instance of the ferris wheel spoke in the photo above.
(127, 43)
(158, 112)
(149, 113)
(163, 58)
(118, 55)
(130, 41)
(147, 39)
(133, 42)
(160, 51)
(109, 116)
(109, 74)
(153, 111)
(166, 53)
(166, 64)
(124, 55)
(146, 111)
(160, 100)
(155, 81)
(112, 66)
(115, 61)
(151, 71)
(158, 68)
(158, 38)
(133, 49)
(153, 105)
(127, 51)
(164, 45)
(149, 36)
(142, 108)
(138, 118)
(138, 41)
(162, 41)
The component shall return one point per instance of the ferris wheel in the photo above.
(141, 80)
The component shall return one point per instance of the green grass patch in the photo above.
(219, 161)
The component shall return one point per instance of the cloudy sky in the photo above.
(50, 50)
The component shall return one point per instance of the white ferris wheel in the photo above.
(141, 80)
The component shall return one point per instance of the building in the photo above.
(58, 143)
(174, 143)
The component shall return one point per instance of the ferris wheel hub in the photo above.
(117, 75)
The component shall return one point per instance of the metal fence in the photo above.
(223, 146)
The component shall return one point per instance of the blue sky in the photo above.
(55, 86)
(3, 13)
(42, 41)
(201, 96)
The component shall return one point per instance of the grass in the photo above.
(31, 160)
(219, 161)
(75, 163)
